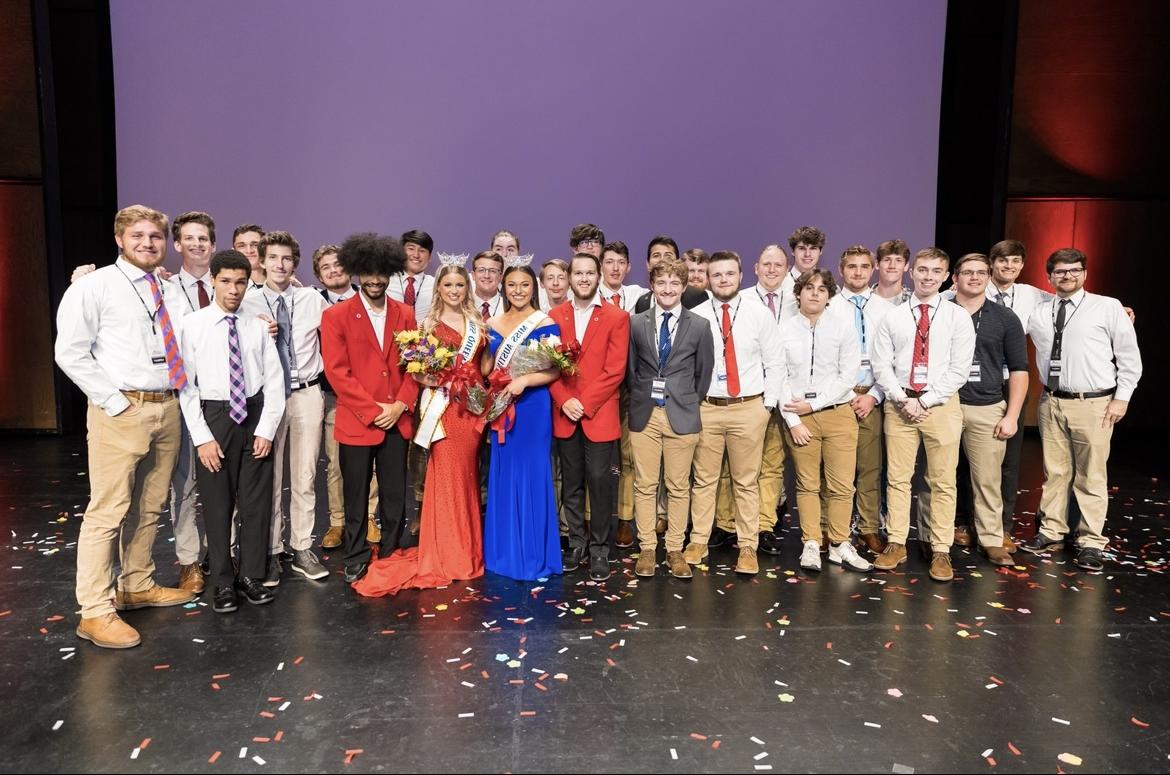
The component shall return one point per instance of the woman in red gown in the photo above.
(450, 545)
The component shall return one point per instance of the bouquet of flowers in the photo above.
(494, 402)
(422, 353)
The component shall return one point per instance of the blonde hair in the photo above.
(468, 309)
(128, 216)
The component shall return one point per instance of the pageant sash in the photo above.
(435, 400)
(512, 344)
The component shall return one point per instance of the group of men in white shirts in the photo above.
(841, 383)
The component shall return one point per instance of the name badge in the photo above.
(158, 360)
(865, 363)
(157, 355)
(973, 375)
(294, 375)
(1054, 369)
(721, 371)
(919, 375)
(658, 389)
(810, 396)
(1006, 373)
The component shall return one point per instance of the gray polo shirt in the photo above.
(999, 343)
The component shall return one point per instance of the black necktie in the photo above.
(1053, 383)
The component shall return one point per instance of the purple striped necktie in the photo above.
(237, 399)
(176, 374)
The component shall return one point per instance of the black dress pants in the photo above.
(357, 464)
(586, 463)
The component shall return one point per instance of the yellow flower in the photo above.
(442, 353)
(415, 367)
(407, 337)
(432, 340)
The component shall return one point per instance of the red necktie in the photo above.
(616, 299)
(772, 304)
(485, 310)
(921, 346)
(729, 354)
(408, 294)
(204, 300)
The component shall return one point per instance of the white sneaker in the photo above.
(845, 555)
(810, 558)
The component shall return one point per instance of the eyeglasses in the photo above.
(1067, 272)
(589, 243)
(973, 273)
(488, 270)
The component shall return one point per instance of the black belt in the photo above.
(255, 400)
(302, 385)
(915, 393)
(1080, 396)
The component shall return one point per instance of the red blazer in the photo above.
(601, 367)
(361, 373)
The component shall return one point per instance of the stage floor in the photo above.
(1037, 668)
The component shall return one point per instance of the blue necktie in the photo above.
(863, 374)
(663, 348)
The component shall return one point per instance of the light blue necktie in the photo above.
(864, 375)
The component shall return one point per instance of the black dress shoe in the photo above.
(599, 568)
(225, 600)
(572, 560)
(770, 542)
(1089, 559)
(1040, 544)
(205, 566)
(253, 591)
(719, 537)
(355, 572)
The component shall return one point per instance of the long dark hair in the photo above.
(504, 286)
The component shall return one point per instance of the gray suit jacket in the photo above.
(687, 372)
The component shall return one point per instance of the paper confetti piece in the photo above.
(60, 723)
(214, 757)
(1013, 749)
(1070, 758)
(894, 692)
(1061, 721)
(786, 698)
(930, 718)
(1133, 720)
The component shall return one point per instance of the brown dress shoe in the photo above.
(155, 597)
(872, 542)
(963, 535)
(695, 553)
(678, 566)
(1009, 545)
(940, 567)
(108, 631)
(646, 566)
(997, 555)
(332, 538)
(624, 537)
(191, 578)
(373, 532)
(891, 557)
(660, 525)
(747, 562)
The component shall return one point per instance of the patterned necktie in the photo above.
(204, 299)
(663, 348)
(176, 374)
(408, 294)
(863, 374)
(729, 354)
(1053, 381)
(288, 358)
(485, 310)
(772, 304)
(237, 395)
(921, 347)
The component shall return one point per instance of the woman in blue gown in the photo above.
(521, 534)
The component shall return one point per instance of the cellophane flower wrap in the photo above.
(534, 356)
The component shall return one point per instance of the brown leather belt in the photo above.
(153, 396)
(915, 393)
(715, 401)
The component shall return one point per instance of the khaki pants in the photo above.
(131, 459)
(739, 429)
(1076, 453)
(658, 450)
(770, 481)
(985, 456)
(833, 449)
(333, 470)
(299, 433)
(939, 434)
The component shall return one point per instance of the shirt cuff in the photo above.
(931, 398)
(791, 419)
(1123, 394)
(115, 404)
(818, 402)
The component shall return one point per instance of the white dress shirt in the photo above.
(1021, 299)
(873, 310)
(627, 295)
(495, 305)
(205, 354)
(332, 298)
(757, 348)
(1099, 349)
(377, 321)
(903, 296)
(821, 359)
(671, 325)
(424, 289)
(951, 349)
(188, 284)
(581, 317)
(107, 337)
(784, 301)
(305, 307)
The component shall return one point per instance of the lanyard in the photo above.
(812, 358)
(1011, 297)
(730, 327)
(671, 327)
(422, 283)
(779, 302)
(930, 321)
(134, 288)
(291, 305)
(862, 308)
(1055, 309)
(607, 297)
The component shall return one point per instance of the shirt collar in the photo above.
(131, 271)
(932, 302)
(1076, 298)
(760, 289)
(370, 309)
(594, 302)
(272, 295)
(186, 278)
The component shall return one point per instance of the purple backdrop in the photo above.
(725, 125)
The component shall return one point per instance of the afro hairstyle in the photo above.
(368, 253)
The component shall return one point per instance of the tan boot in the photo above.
(373, 532)
(191, 578)
(940, 567)
(997, 555)
(624, 538)
(678, 566)
(963, 536)
(332, 538)
(747, 561)
(695, 553)
(1009, 545)
(891, 557)
(108, 631)
(646, 566)
(155, 597)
